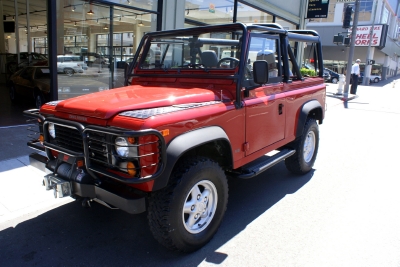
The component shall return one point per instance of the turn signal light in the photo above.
(41, 138)
(131, 140)
(131, 168)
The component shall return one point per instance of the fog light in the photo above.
(131, 169)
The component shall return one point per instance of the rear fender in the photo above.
(311, 109)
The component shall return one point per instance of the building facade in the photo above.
(104, 35)
(385, 42)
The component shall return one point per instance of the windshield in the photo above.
(209, 50)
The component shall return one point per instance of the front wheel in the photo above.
(334, 80)
(186, 214)
(376, 80)
(306, 148)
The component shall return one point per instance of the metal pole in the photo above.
(351, 51)
(367, 70)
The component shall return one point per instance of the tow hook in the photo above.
(60, 187)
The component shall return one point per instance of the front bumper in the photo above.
(77, 185)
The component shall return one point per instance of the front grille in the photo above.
(97, 147)
(68, 138)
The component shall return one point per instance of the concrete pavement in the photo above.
(21, 195)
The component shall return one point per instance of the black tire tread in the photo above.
(293, 163)
(160, 201)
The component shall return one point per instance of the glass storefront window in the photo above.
(248, 14)
(215, 12)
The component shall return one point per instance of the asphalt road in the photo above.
(346, 212)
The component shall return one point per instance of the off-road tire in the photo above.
(306, 148)
(169, 223)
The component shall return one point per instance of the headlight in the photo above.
(52, 130)
(121, 146)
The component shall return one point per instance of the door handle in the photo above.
(280, 109)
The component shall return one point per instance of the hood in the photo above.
(106, 104)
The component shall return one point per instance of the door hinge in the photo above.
(280, 109)
(246, 146)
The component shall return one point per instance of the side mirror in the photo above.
(260, 71)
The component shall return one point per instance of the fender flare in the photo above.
(183, 143)
(305, 111)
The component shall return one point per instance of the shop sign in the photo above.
(378, 36)
(317, 9)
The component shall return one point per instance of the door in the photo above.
(24, 82)
(265, 104)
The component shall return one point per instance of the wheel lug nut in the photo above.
(198, 196)
(192, 208)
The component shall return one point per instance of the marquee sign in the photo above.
(378, 36)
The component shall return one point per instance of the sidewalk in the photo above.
(22, 193)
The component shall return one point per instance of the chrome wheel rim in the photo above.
(309, 146)
(199, 207)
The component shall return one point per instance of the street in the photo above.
(345, 212)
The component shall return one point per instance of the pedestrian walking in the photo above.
(355, 73)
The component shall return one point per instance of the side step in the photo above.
(262, 164)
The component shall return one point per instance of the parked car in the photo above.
(34, 83)
(26, 59)
(372, 78)
(327, 76)
(168, 142)
(70, 64)
(30, 82)
(334, 75)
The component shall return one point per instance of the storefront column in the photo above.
(173, 14)
(2, 42)
(60, 28)
(368, 68)
(385, 67)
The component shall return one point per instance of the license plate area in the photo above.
(60, 187)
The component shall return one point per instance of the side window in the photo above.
(265, 47)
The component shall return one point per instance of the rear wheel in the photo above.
(334, 80)
(186, 214)
(376, 80)
(306, 149)
(69, 71)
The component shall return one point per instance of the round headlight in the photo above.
(121, 146)
(52, 130)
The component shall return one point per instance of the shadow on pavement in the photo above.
(74, 236)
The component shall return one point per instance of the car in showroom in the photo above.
(34, 83)
(70, 64)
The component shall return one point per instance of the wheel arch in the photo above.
(311, 109)
(211, 142)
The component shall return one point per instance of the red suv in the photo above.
(210, 104)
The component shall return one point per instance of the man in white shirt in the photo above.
(355, 73)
